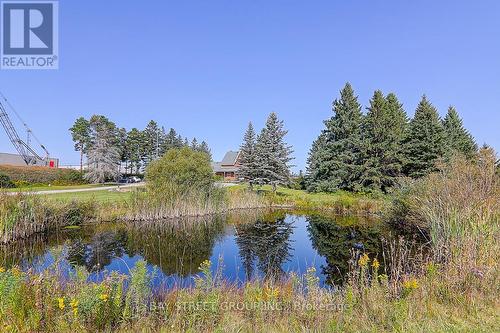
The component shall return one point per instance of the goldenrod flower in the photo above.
(364, 260)
(16, 271)
(410, 284)
(60, 303)
(375, 264)
(104, 297)
(74, 305)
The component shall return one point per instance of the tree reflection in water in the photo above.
(335, 239)
(265, 245)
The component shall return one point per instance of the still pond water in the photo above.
(246, 245)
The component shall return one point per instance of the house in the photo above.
(228, 167)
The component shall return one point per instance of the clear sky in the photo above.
(206, 68)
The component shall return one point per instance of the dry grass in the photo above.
(148, 206)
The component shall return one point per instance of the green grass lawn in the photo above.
(99, 196)
(340, 202)
(54, 188)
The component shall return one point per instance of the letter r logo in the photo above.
(28, 28)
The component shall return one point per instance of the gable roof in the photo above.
(230, 158)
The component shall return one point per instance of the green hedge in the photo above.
(5, 181)
(41, 175)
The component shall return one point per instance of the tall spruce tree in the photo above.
(458, 139)
(317, 171)
(273, 154)
(425, 142)
(337, 160)
(172, 140)
(204, 148)
(383, 129)
(134, 143)
(151, 145)
(247, 158)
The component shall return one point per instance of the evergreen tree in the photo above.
(134, 146)
(194, 144)
(425, 141)
(273, 154)
(204, 148)
(458, 139)
(248, 164)
(335, 160)
(383, 129)
(80, 132)
(172, 140)
(122, 144)
(151, 144)
(104, 151)
(317, 170)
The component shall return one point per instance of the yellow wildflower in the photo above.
(364, 260)
(16, 271)
(74, 305)
(410, 284)
(375, 264)
(2, 269)
(60, 302)
(104, 297)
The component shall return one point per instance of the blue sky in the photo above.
(206, 68)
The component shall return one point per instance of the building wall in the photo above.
(17, 160)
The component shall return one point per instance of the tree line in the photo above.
(371, 152)
(106, 146)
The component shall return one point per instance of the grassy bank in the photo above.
(342, 203)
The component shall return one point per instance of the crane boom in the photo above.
(29, 156)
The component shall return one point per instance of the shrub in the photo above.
(180, 171)
(5, 181)
(41, 175)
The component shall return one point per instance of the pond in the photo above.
(253, 244)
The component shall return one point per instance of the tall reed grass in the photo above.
(23, 215)
(153, 206)
(458, 209)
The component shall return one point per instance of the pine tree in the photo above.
(273, 154)
(317, 171)
(204, 148)
(194, 144)
(458, 139)
(134, 146)
(248, 164)
(151, 144)
(172, 140)
(80, 133)
(122, 144)
(425, 141)
(103, 152)
(383, 130)
(337, 161)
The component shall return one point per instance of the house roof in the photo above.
(230, 158)
(218, 167)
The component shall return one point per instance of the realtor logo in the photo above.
(29, 35)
